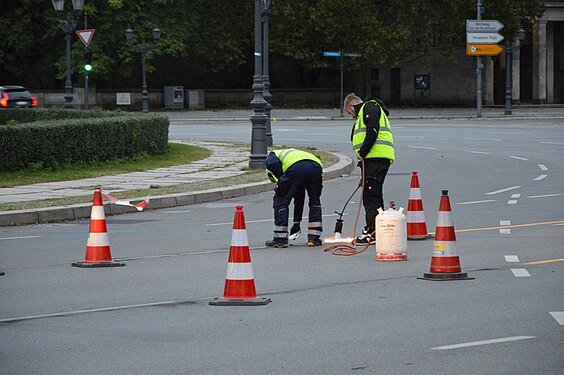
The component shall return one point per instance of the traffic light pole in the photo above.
(86, 71)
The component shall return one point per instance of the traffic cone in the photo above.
(416, 226)
(98, 245)
(239, 281)
(445, 264)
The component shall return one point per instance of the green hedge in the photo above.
(51, 137)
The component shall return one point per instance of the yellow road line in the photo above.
(559, 222)
(546, 261)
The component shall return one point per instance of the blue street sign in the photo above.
(332, 54)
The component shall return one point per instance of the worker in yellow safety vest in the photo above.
(373, 142)
(295, 172)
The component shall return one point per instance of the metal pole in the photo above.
(265, 77)
(85, 72)
(479, 67)
(342, 68)
(68, 83)
(144, 93)
(258, 118)
(508, 83)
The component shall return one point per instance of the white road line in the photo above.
(520, 272)
(18, 238)
(505, 222)
(542, 167)
(559, 316)
(541, 177)
(515, 196)
(484, 342)
(503, 190)
(262, 221)
(512, 201)
(505, 231)
(518, 158)
(482, 139)
(76, 312)
(512, 259)
(486, 201)
(479, 152)
(544, 196)
(424, 148)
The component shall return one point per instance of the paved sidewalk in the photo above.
(214, 167)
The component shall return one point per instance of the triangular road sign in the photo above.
(85, 35)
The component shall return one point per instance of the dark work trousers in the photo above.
(307, 175)
(375, 170)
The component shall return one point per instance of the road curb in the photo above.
(82, 211)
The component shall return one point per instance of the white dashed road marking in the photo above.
(541, 177)
(518, 158)
(514, 198)
(484, 342)
(504, 230)
(503, 190)
(542, 167)
(486, 201)
(512, 259)
(520, 272)
(543, 196)
(559, 316)
(424, 148)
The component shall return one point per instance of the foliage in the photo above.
(210, 43)
(84, 139)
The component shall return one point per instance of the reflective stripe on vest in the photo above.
(384, 145)
(291, 156)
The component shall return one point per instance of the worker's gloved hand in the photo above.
(295, 228)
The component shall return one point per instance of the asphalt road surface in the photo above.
(329, 314)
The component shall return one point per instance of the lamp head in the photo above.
(156, 34)
(129, 34)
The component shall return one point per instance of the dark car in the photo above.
(16, 96)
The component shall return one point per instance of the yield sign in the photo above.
(85, 35)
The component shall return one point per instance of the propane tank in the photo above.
(391, 234)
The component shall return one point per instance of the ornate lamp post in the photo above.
(68, 25)
(143, 48)
(265, 7)
(258, 118)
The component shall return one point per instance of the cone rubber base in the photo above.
(391, 257)
(419, 238)
(97, 264)
(220, 301)
(2, 273)
(446, 276)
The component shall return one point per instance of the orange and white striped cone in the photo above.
(239, 281)
(98, 246)
(445, 264)
(416, 226)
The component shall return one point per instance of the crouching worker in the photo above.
(294, 170)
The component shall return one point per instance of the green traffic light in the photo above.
(88, 67)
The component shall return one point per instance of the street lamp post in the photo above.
(265, 7)
(258, 118)
(68, 25)
(509, 71)
(143, 48)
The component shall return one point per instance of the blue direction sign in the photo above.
(332, 54)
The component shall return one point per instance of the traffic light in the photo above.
(88, 60)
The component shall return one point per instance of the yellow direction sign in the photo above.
(483, 49)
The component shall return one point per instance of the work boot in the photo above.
(314, 242)
(365, 237)
(275, 243)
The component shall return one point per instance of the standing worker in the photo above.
(294, 170)
(372, 141)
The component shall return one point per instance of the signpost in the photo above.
(342, 55)
(483, 26)
(483, 49)
(482, 37)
